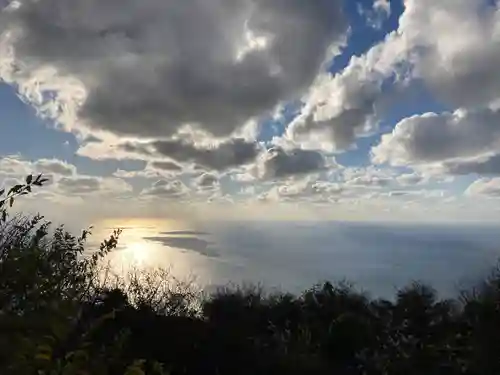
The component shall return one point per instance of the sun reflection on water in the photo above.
(136, 251)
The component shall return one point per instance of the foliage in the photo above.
(59, 316)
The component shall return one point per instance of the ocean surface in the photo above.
(292, 256)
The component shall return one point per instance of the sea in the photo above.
(376, 258)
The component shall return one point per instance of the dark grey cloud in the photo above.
(166, 166)
(149, 66)
(488, 165)
(228, 154)
(280, 163)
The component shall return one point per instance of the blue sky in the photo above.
(399, 120)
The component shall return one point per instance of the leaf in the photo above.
(15, 189)
(2, 191)
(11, 201)
(42, 357)
(29, 178)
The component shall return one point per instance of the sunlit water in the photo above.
(294, 256)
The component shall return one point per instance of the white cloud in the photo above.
(15, 166)
(435, 138)
(458, 64)
(342, 106)
(408, 179)
(485, 187)
(382, 6)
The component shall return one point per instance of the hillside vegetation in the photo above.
(60, 316)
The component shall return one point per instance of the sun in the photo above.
(136, 254)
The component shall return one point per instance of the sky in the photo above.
(253, 109)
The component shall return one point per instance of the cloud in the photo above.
(217, 156)
(485, 165)
(79, 185)
(369, 181)
(16, 166)
(431, 137)
(147, 67)
(207, 181)
(166, 189)
(484, 187)
(153, 169)
(407, 179)
(458, 66)
(279, 163)
(339, 107)
(53, 166)
(377, 14)
(166, 166)
(383, 6)
(84, 185)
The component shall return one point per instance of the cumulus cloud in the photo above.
(483, 165)
(458, 65)
(462, 72)
(207, 181)
(166, 189)
(153, 169)
(147, 67)
(84, 185)
(166, 166)
(369, 181)
(279, 163)
(341, 106)
(52, 168)
(375, 16)
(383, 6)
(217, 156)
(432, 137)
(484, 187)
(410, 179)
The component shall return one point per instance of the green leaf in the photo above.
(29, 178)
(11, 201)
(2, 191)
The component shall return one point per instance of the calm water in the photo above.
(293, 256)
